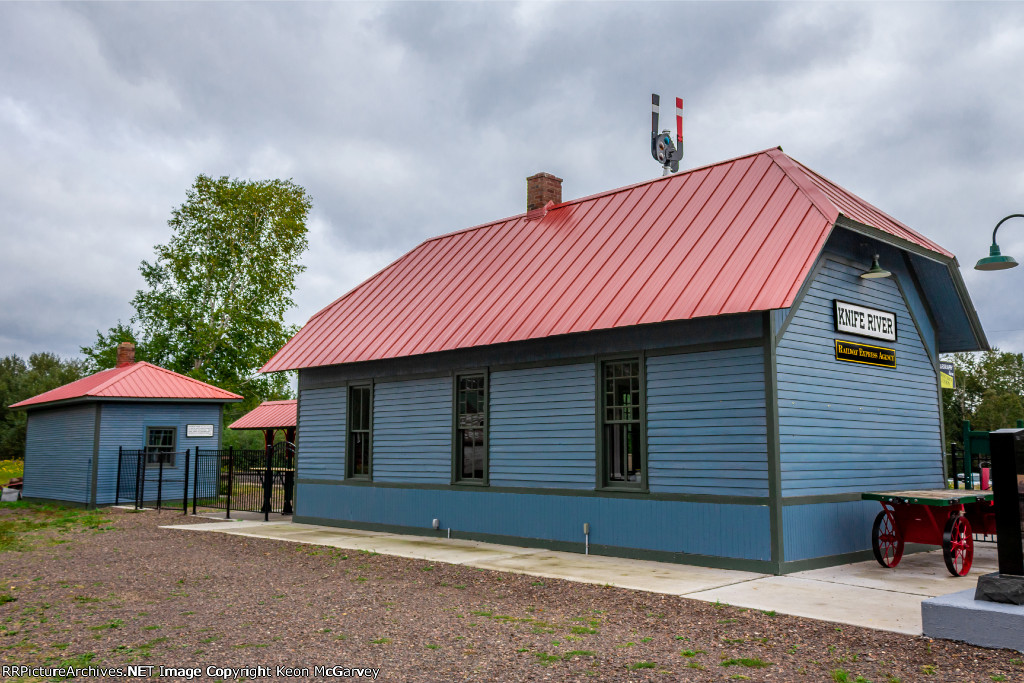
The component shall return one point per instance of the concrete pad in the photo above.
(868, 607)
(919, 574)
(655, 577)
(960, 617)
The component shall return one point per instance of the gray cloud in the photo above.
(406, 120)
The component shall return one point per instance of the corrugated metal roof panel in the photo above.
(734, 237)
(138, 380)
(269, 415)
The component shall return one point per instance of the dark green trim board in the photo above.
(564, 546)
(583, 493)
(568, 348)
(96, 454)
(771, 400)
(801, 294)
(64, 503)
(845, 558)
(821, 498)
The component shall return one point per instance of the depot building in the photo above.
(706, 368)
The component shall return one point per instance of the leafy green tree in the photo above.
(217, 292)
(20, 380)
(989, 392)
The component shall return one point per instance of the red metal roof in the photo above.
(734, 237)
(138, 380)
(269, 415)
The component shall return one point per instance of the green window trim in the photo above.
(622, 424)
(470, 420)
(161, 443)
(359, 432)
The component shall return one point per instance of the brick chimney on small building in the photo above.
(541, 189)
(125, 354)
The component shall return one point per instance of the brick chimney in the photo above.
(125, 354)
(541, 189)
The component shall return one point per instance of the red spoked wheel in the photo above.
(886, 541)
(958, 545)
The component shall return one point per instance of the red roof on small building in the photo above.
(269, 415)
(734, 237)
(136, 380)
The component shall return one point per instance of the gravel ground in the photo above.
(113, 589)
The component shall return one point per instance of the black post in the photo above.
(195, 481)
(160, 483)
(1006, 450)
(268, 482)
(184, 498)
(117, 492)
(231, 476)
(1005, 444)
(289, 478)
(140, 480)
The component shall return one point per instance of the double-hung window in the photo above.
(622, 415)
(160, 443)
(360, 410)
(471, 429)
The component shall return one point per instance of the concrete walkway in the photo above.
(861, 594)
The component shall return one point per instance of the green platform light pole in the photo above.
(995, 260)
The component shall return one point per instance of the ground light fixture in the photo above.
(875, 271)
(995, 260)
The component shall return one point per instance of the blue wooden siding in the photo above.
(124, 425)
(850, 427)
(58, 453)
(706, 423)
(542, 429)
(737, 531)
(827, 529)
(321, 434)
(412, 431)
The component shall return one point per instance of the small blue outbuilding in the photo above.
(707, 368)
(75, 432)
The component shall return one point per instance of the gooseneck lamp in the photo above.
(995, 260)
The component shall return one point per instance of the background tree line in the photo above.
(989, 392)
(213, 306)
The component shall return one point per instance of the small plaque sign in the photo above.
(865, 322)
(198, 430)
(852, 352)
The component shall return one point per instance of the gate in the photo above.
(257, 480)
(149, 478)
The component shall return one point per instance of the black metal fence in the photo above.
(228, 479)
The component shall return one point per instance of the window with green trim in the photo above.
(360, 410)
(160, 444)
(621, 423)
(471, 428)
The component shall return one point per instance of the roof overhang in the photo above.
(920, 259)
(106, 399)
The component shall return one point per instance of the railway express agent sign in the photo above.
(865, 322)
(853, 352)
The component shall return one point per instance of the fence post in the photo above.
(117, 490)
(268, 482)
(140, 480)
(231, 476)
(160, 483)
(184, 499)
(195, 480)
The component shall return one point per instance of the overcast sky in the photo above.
(404, 121)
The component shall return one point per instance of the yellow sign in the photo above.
(946, 375)
(852, 352)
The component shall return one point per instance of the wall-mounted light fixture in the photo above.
(995, 260)
(875, 271)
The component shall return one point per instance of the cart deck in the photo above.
(946, 517)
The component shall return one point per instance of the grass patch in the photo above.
(642, 665)
(583, 630)
(17, 530)
(749, 662)
(691, 653)
(6, 598)
(380, 641)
